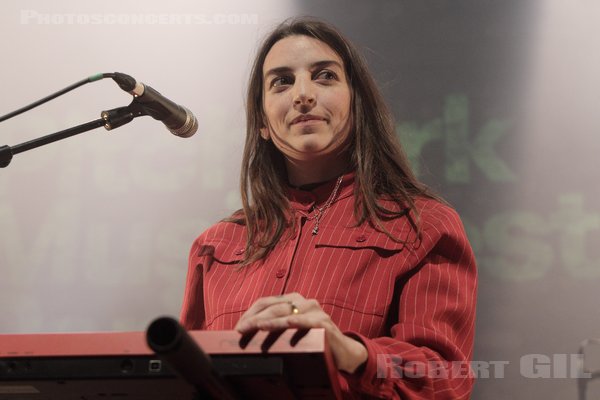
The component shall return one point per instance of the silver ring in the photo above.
(293, 309)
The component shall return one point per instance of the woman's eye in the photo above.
(281, 81)
(326, 75)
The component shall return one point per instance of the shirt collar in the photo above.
(306, 199)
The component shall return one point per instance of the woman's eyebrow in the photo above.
(278, 71)
(325, 63)
(315, 65)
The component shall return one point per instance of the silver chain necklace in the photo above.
(321, 210)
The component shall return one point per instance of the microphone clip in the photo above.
(122, 115)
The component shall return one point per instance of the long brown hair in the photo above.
(381, 168)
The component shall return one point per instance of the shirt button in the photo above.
(280, 273)
(239, 252)
(361, 238)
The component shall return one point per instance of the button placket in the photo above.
(283, 272)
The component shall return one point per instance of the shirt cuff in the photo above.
(368, 378)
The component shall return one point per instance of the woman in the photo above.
(335, 230)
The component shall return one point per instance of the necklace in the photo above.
(321, 210)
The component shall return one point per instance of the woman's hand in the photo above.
(294, 311)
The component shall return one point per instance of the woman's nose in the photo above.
(304, 95)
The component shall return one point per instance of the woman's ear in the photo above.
(265, 133)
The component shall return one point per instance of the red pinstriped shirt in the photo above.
(411, 304)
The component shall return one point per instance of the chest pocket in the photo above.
(221, 253)
(358, 268)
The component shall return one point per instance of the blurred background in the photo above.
(496, 102)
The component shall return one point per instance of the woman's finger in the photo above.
(265, 303)
(312, 319)
(275, 311)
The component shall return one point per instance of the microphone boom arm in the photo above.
(111, 119)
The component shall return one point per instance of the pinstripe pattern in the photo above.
(415, 300)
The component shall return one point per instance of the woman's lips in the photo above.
(307, 119)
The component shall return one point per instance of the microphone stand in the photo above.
(110, 119)
(177, 348)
